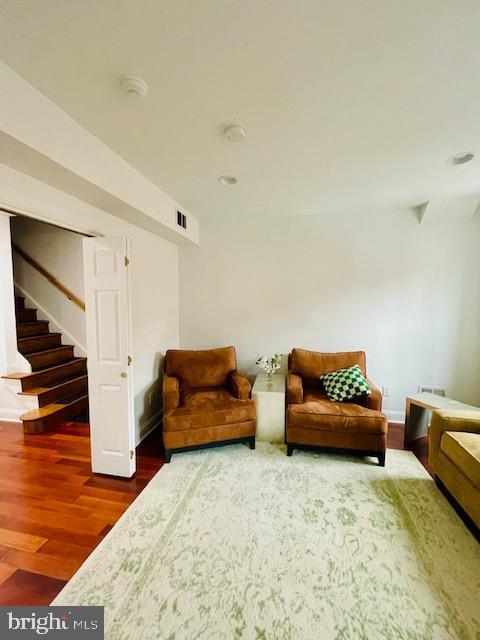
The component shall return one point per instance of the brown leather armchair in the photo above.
(206, 401)
(315, 421)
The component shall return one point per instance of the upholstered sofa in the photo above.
(454, 455)
(206, 401)
(313, 420)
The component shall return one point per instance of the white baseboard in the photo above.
(11, 415)
(149, 425)
(82, 351)
(395, 416)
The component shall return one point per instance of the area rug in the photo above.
(230, 543)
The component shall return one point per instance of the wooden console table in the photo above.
(417, 410)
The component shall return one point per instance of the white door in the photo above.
(110, 389)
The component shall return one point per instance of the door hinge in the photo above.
(129, 360)
(127, 261)
(132, 453)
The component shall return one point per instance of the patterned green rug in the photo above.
(230, 543)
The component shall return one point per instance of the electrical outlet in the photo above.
(386, 391)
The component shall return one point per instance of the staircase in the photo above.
(58, 384)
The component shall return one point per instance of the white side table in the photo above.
(418, 407)
(270, 404)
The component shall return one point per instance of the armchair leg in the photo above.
(168, 455)
(289, 449)
(381, 459)
(251, 442)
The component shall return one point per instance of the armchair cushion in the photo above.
(171, 393)
(240, 385)
(310, 365)
(294, 389)
(463, 449)
(208, 408)
(318, 412)
(373, 400)
(206, 368)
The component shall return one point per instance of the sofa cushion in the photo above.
(345, 384)
(318, 412)
(206, 408)
(310, 365)
(463, 449)
(207, 368)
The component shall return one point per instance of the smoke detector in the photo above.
(228, 180)
(460, 158)
(234, 133)
(134, 86)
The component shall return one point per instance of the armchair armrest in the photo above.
(240, 385)
(374, 399)
(449, 420)
(294, 389)
(171, 393)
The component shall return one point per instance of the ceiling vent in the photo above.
(181, 220)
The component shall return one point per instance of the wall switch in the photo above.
(386, 391)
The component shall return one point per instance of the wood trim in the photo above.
(56, 283)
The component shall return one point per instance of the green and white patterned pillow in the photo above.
(345, 384)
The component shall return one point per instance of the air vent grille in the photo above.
(181, 220)
(428, 388)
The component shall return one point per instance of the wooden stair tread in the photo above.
(40, 337)
(49, 409)
(41, 360)
(55, 349)
(32, 329)
(58, 380)
(26, 315)
(34, 344)
(20, 375)
(35, 391)
(15, 376)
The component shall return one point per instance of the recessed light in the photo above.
(460, 158)
(228, 180)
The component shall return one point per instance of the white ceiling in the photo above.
(349, 105)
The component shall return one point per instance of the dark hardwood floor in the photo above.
(54, 511)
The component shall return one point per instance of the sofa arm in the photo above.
(448, 420)
(374, 399)
(240, 385)
(171, 393)
(294, 389)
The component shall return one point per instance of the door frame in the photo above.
(14, 210)
(33, 215)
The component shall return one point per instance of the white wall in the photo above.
(154, 278)
(50, 143)
(10, 359)
(408, 294)
(60, 252)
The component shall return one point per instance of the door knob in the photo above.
(123, 374)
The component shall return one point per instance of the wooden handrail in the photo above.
(71, 296)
